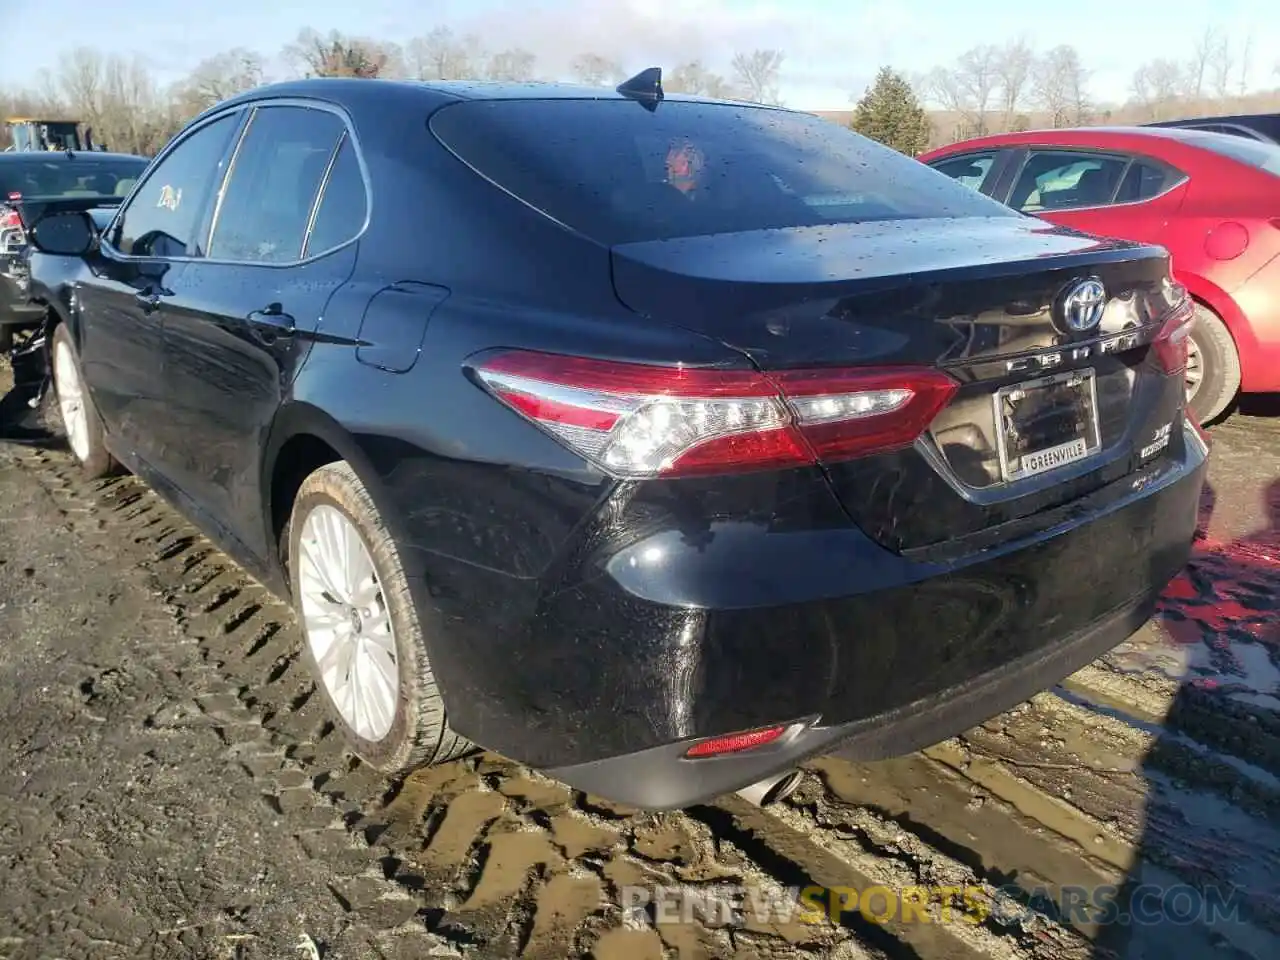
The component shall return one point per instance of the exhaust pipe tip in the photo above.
(772, 789)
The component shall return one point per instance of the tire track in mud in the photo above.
(479, 856)
(484, 857)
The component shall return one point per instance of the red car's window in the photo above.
(1060, 180)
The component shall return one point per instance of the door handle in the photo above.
(148, 299)
(270, 324)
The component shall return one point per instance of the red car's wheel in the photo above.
(1213, 367)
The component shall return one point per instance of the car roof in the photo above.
(1076, 135)
(342, 89)
(65, 156)
(1240, 118)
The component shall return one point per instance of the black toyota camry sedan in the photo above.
(659, 443)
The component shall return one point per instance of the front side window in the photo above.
(275, 178)
(620, 173)
(166, 212)
(1061, 180)
(972, 169)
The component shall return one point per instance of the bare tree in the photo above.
(1246, 64)
(1220, 68)
(1205, 50)
(337, 55)
(695, 79)
(515, 64)
(596, 71)
(977, 71)
(80, 80)
(1157, 85)
(967, 88)
(441, 55)
(941, 86)
(1059, 86)
(219, 77)
(758, 73)
(1013, 68)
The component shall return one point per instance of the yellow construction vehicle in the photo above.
(29, 134)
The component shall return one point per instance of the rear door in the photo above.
(1108, 193)
(244, 313)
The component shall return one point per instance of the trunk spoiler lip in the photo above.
(688, 257)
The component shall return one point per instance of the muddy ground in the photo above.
(170, 787)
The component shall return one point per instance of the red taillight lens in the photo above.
(1170, 344)
(637, 420)
(9, 218)
(734, 742)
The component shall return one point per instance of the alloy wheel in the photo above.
(346, 622)
(71, 406)
(1194, 374)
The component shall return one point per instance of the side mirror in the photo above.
(69, 234)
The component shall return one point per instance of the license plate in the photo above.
(1046, 423)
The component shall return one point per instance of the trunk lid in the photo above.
(981, 298)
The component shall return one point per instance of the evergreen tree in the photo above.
(890, 113)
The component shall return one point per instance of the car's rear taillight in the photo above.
(1170, 344)
(9, 218)
(638, 420)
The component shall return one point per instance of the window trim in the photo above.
(104, 240)
(1028, 150)
(212, 204)
(320, 195)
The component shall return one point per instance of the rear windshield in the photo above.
(1256, 153)
(618, 173)
(46, 177)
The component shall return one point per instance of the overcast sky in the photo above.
(832, 47)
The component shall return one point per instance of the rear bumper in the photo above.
(657, 631)
(662, 779)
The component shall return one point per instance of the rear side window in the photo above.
(1061, 180)
(1255, 153)
(972, 169)
(618, 173)
(1144, 180)
(343, 206)
(274, 181)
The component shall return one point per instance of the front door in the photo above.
(124, 293)
(243, 318)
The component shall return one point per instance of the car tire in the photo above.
(1213, 367)
(81, 424)
(395, 724)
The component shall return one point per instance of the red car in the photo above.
(1212, 200)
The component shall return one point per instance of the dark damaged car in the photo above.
(658, 443)
(29, 183)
